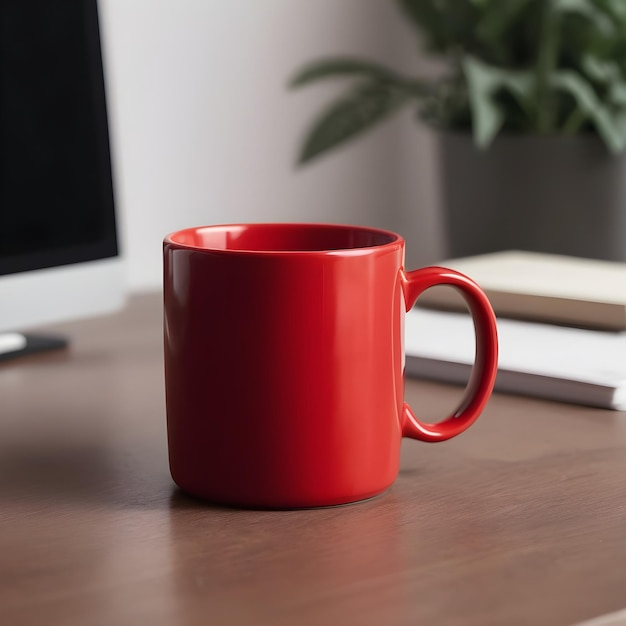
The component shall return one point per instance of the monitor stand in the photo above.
(15, 345)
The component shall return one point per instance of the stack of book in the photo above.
(561, 325)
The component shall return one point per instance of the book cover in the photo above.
(542, 287)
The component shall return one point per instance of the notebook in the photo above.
(543, 287)
(557, 362)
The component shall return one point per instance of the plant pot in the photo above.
(564, 195)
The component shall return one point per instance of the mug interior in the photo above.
(282, 237)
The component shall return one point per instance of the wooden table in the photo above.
(522, 520)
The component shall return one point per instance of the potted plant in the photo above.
(531, 115)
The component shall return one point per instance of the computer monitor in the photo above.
(59, 252)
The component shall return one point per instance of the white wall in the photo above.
(204, 130)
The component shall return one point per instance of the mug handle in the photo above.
(485, 366)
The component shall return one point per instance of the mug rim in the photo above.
(395, 240)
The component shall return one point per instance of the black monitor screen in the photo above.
(56, 193)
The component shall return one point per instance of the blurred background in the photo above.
(205, 130)
(522, 147)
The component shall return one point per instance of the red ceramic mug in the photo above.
(284, 361)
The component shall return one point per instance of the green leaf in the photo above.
(617, 93)
(328, 68)
(487, 117)
(617, 8)
(599, 69)
(608, 125)
(609, 74)
(365, 106)
(588, 10)
(484, 82)
(620, 123)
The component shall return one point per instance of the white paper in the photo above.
(571, 364)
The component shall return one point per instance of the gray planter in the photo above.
(565, 195)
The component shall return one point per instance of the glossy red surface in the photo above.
(284, 363)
